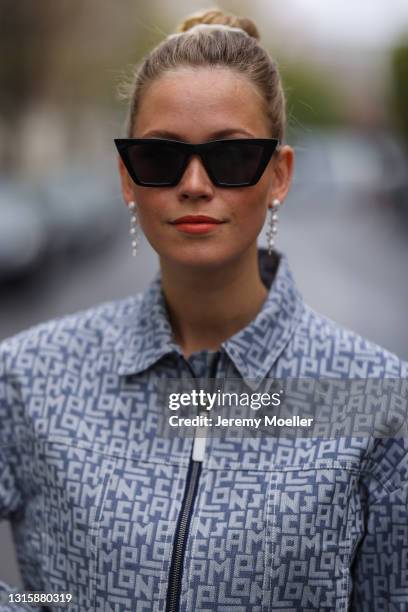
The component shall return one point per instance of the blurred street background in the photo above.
(64, 242)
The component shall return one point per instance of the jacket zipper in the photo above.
(190, 492)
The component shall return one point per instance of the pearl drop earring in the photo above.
(134, 225)
(273, 221)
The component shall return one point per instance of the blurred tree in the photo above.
(399, 88)
(71, 54)
(311, 97)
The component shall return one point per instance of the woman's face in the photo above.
(195, 106)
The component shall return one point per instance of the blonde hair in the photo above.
(212, 38)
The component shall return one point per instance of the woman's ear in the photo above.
(282, 172)
(126, 181)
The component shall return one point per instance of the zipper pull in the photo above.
(198, 448)
(199, 442)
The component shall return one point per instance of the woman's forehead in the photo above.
(210, 98)
(191, 80)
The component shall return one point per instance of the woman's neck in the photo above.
(208, 306)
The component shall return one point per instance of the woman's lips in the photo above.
(196, 224)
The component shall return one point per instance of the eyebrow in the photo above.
(213, 135)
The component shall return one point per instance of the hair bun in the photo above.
(214, 16)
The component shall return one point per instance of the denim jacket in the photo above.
(107, 510)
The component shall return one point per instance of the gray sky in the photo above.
(332, 22)
(369, 23)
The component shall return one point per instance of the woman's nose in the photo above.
(195, 177)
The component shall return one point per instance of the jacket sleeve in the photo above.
(11, 500)
(380, 567)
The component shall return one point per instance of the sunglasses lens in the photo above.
(235, 164)
(155, 164)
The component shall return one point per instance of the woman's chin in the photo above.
(200, 255)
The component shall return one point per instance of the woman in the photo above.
(120, 517)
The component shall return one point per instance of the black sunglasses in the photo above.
(155, 162)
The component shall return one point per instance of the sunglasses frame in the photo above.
(269, 145)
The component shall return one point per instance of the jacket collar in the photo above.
(148, 336)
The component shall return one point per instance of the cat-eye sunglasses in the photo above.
(156, 162)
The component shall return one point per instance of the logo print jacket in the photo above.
(105, 509)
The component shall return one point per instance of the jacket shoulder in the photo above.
(342, 351)
(93, 325)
